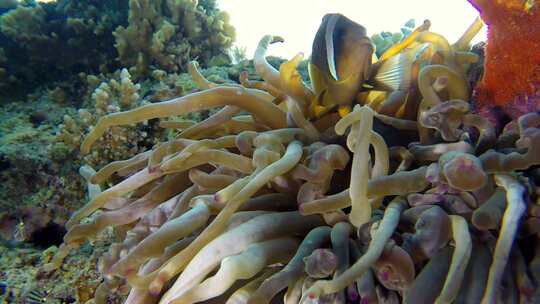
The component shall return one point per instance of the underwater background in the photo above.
(67, 65)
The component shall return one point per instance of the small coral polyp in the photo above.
(331, 191)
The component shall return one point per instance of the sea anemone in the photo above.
(309, 189)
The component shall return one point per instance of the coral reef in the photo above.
(58, 76)
(62, 55)
(364, 174)
(45, 42)
(332, 191)
(40, 138)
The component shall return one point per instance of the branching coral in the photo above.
(167, 34)
(116, 95)
(214, 205)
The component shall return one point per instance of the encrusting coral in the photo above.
(512, 69)
(293, 187)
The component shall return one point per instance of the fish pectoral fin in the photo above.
(394, 73)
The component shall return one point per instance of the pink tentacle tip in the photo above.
(129, 272)
(528, 292)
(301, 209)
(385, 275)
(219, 199)
(331, 258)
(155, 287)
(352, 294)
(440, 83)
(364, 301)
